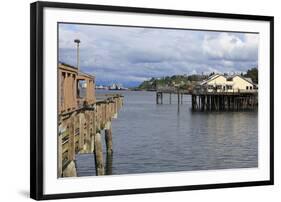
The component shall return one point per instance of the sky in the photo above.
(130, 55)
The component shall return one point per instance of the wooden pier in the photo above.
(204, 100)
(83, 120)
(237, 101)
(170, 91)
(81, 131)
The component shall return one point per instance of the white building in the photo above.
(221, 83)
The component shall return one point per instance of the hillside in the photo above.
(185, 81)
(180, 81)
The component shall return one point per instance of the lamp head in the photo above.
(77, 41)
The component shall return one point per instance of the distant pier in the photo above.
(206, 100)
(235, 101)
(170, 91)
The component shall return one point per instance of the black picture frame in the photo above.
(36, 97)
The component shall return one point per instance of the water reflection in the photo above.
(108, 165)
(170, 137)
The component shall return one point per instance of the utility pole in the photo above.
(78, 57)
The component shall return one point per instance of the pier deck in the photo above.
(80, 132)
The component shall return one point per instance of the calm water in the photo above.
(164, 138)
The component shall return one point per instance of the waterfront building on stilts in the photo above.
(82, 117)
(217, 93)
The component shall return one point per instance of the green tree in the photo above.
(253, 74)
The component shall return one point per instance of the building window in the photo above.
(229, 87)
(247, 87)
(81, 89)
(210, 87)
(251, 87)
(219, 86)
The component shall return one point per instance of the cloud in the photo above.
(130, 55)
(229, 47)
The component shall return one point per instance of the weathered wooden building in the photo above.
(69, 95)
(82, 118)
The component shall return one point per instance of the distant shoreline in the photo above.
(125, 90)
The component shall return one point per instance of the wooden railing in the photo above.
(78, 127)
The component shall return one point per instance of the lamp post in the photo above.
(78, 42)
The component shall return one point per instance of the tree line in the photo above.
(187, 81)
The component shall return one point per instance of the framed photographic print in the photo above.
(131, 100)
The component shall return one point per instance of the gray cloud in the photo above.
(130, 55)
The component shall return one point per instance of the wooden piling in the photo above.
(108, 138)
(93, 131)
(71, 143)
(98, 155)
(181, 98)
(170, 98)
(92, 148)
(207, 101)
(203, 103)
(87, 142)
(108, 165)
(59, 146)
(81, 130)
(193, 102)
(157, 97)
